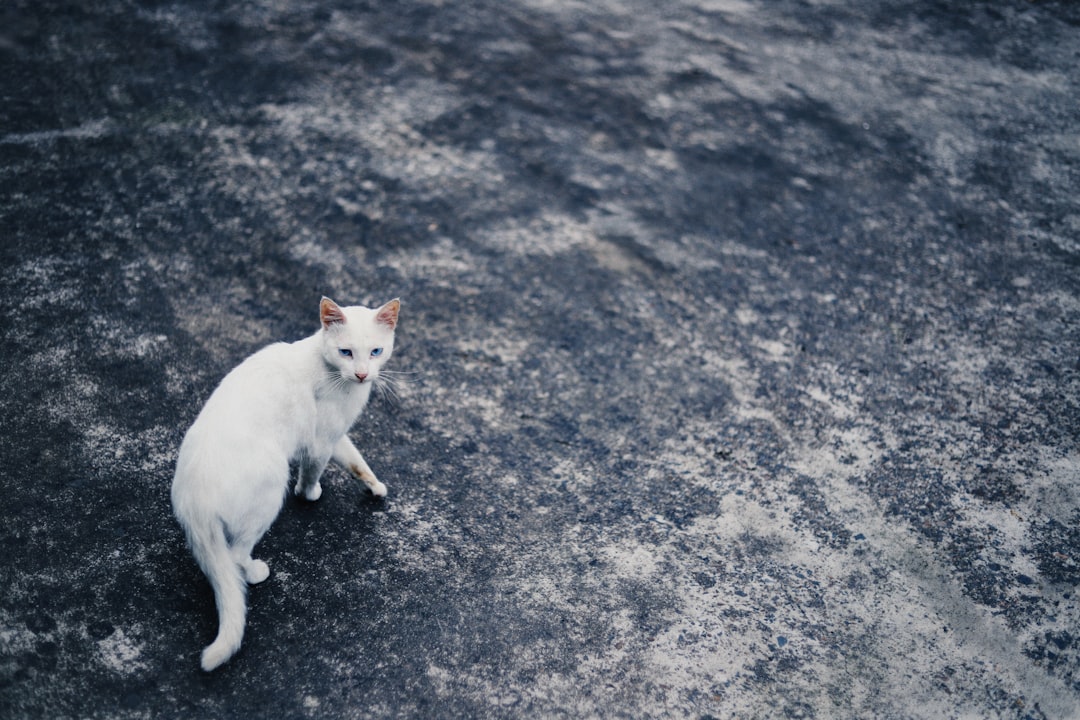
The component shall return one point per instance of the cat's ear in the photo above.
(330, 313)
(387, 314)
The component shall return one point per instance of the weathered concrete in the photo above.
(744, 344)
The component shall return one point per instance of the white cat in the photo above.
(287, 402)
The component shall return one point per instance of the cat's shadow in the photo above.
(344, 499)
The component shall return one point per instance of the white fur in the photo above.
(287, 402)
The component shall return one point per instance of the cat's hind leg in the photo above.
(247, 529)
(255, 571)
(346, 454)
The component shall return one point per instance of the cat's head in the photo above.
(356, 341)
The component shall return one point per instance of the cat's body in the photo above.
(289, 402)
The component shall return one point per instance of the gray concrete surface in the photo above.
(742, 341)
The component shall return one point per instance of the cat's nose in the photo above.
(361, 376)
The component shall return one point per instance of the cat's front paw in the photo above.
(312, 492)
(363, 473)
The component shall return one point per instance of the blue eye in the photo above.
(345, 352)
(376, 352)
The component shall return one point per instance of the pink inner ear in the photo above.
(330, 313)
(388, 314)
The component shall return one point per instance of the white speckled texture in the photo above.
(739, 341)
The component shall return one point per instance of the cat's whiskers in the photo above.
(386, 389)
(389, 383)
(398, 376)
(333, 382)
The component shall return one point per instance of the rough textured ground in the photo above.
(744, 340)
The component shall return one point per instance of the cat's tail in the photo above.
(211, 551)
